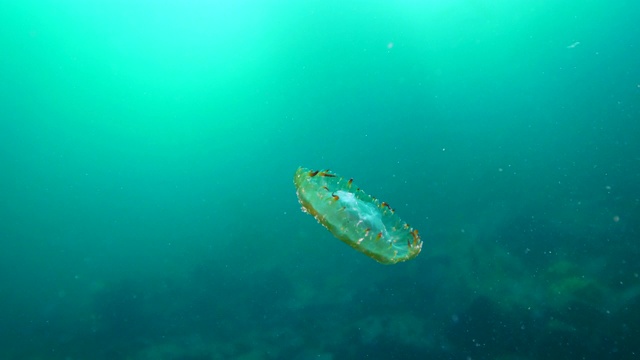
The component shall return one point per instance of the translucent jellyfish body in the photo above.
(358, 219)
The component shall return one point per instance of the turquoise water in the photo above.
(148, 150)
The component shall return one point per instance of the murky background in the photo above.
(147, 152)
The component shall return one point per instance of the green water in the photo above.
(147, 152)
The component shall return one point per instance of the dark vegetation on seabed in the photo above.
(474, 299)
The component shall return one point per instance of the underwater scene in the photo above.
(471, 168)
